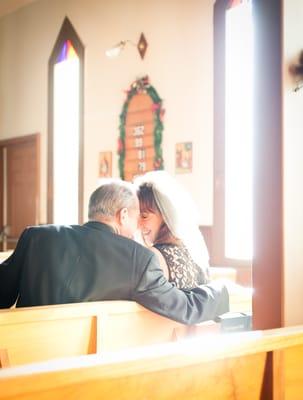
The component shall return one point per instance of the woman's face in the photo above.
(150, 224)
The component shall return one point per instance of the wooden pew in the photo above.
(240, 299)
(4, 362)
(223, 273)
(245, 366)
(41, 333)
(5, 254)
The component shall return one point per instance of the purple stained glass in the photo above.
(63, 53)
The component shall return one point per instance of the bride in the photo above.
(169, 226)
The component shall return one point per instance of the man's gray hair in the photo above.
(111, 197)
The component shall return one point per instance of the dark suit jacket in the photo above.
(66, 264)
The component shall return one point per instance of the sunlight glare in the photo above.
(66, 141)
(238, 133)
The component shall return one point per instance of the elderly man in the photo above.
(99, 261)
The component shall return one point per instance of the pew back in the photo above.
(247, 366)
(4, 255)
(40, 333)
(35, 334)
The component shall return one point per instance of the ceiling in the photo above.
(8, 6)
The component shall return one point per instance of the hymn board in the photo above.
(140, 150)
(139, 137)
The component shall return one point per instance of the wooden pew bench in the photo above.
(35, 334)
(41, 333)
(5, 254)
(245, 366)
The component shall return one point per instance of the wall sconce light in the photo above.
(115, 51)
(297, 72)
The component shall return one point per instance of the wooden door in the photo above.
(19, 192)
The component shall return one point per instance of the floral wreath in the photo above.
(142, 85)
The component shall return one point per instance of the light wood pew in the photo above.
(245, 366)
(4, 362)
(240, 299)
(240, 296)
(223, 273)
(40, 333)
(5, 254)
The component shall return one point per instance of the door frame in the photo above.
(5, 143)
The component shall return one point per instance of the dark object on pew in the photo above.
(235, 322)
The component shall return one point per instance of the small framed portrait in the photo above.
(184, 157)
(105, 164)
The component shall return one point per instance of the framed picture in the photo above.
(184, 157)
(105, 164)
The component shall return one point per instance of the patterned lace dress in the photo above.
(183, 271)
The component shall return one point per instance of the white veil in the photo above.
(179, 213)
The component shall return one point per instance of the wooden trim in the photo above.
(1, 192)
(219, 132)
(225, 368)
(67, 31)
(273, 379)
(81, 139)
(50, 145)
(38, 187)
(278, 374)
(268, 212)
(20, 139)
(207, 233)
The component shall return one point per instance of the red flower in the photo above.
(145, 80)
(158, 163)
(120, 146)
(155, 106)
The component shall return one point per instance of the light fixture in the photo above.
(115, 51)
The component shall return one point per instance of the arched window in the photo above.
(65, 136)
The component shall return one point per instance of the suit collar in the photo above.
(99, 226)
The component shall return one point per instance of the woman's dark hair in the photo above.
(148, 204)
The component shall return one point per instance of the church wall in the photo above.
(178, 62)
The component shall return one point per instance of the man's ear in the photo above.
(122, 216)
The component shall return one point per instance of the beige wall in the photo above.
(293, 167)
(178, 62)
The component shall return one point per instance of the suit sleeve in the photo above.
(199, 304)
(10, 273)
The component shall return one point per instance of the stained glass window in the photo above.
(67, 52)
(66, 132)
(235, 3)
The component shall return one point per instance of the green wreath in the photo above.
(142, 85)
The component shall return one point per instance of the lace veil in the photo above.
(179, 213)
